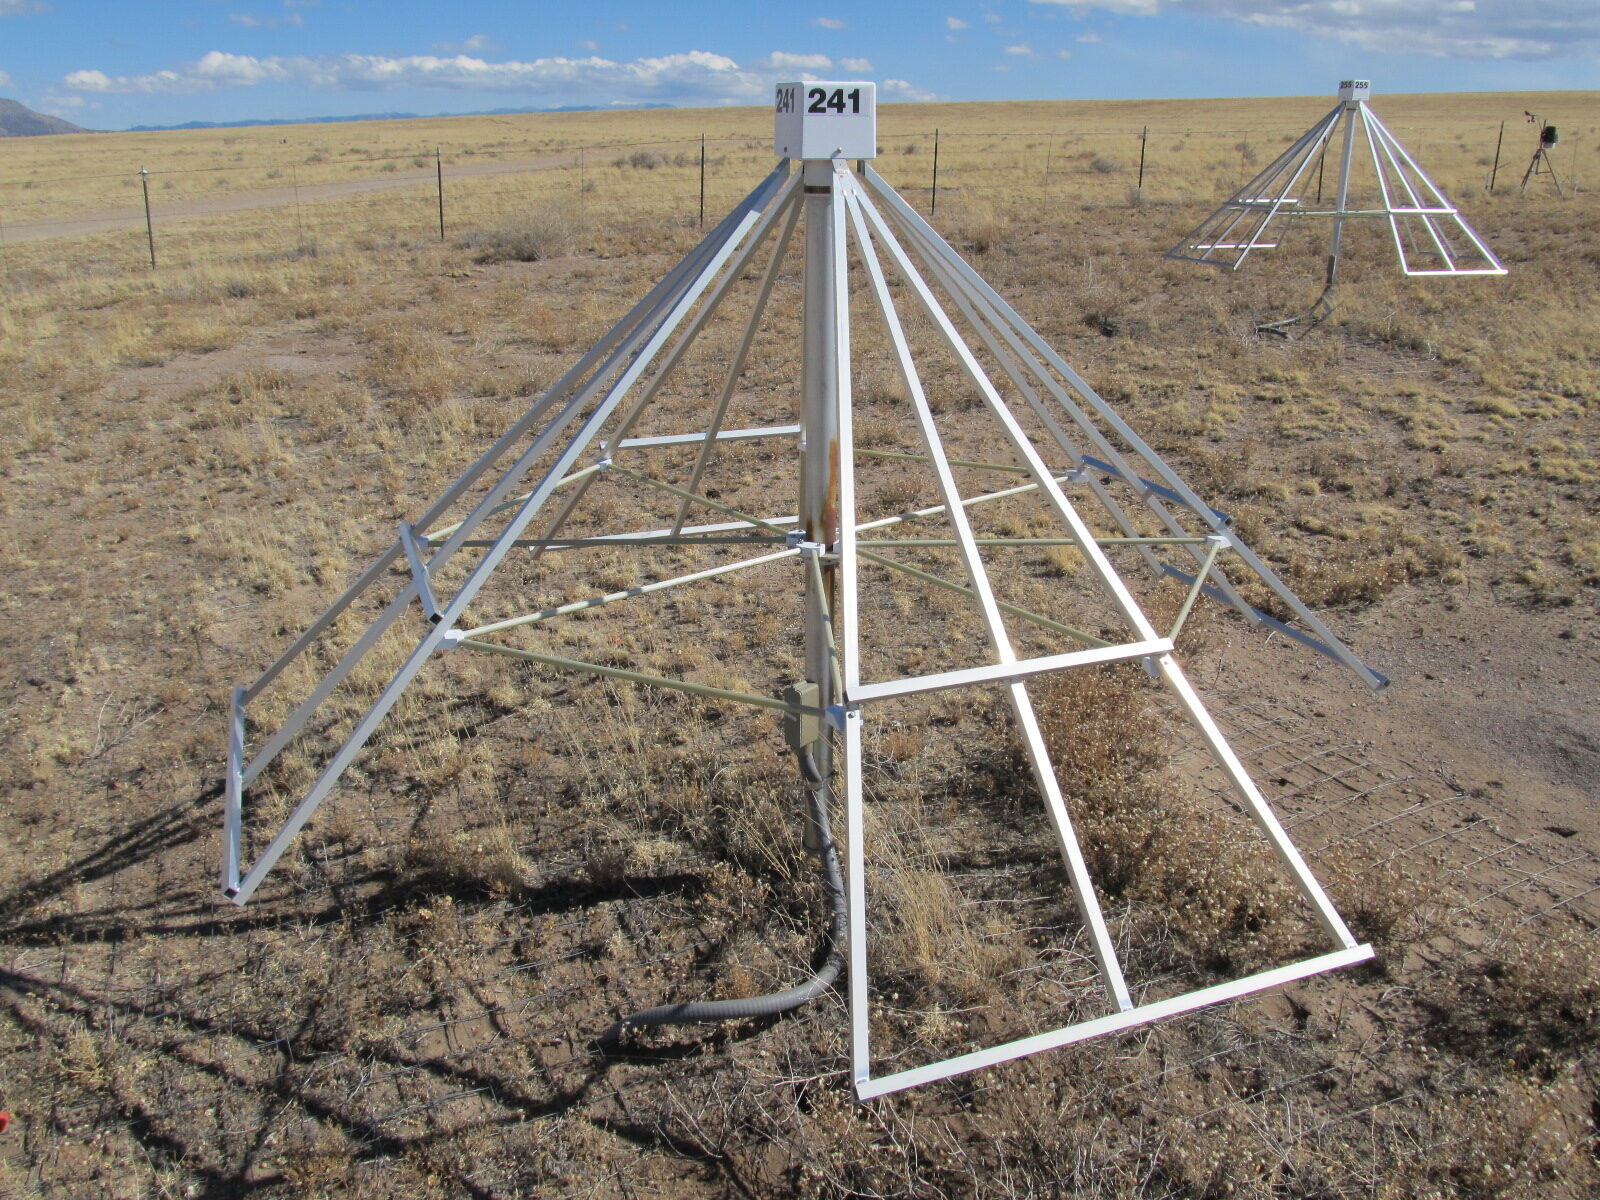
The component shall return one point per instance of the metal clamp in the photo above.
(419, 571)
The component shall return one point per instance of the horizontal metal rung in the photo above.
(676, 685)
(1144, 1014)
(1005, 672)
(689, 439)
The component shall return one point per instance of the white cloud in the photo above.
(1088, 39)
(955, 23)
(251, 21)
(696, 77)
(1520, 29)
(5, 80)
(1063, 53)
(478, 43)
(1021, 50)
(778, 60)
(860, 65)
(19, 8)
(829, 22)
(899, 89)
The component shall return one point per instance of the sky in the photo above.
(111, 64)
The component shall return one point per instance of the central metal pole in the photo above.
(819, 454)
(1352, 110)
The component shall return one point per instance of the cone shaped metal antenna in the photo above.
(1429, 234)
(1051, 440)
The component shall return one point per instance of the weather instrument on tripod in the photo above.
(854, 517)
(1540, 163)
(1430, 235)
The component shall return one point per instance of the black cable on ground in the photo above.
(774, 1002)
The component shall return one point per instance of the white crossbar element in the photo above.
(1144, 1014)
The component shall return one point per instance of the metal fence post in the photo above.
(438, 166)
(1495, 173)
(1144, 136)
(702, 181)
(933, 197)
(149, 226)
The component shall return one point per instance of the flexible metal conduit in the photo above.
(774, 1002)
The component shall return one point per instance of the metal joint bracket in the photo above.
(1220, 540)
(795, 539)
(419, 571)
(453, 638)
(840, 715)
(1152, 666)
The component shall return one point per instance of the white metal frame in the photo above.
(1429, 234)
(610, 390)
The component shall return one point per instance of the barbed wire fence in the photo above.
(179, 215)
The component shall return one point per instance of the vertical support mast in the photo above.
(819, 423)
(1354, 93)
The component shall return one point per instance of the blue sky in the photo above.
(109, 65)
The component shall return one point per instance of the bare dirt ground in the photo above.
(195, 465)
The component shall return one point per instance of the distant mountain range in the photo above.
(386, 116)
(17, 120)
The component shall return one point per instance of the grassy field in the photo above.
(195, 459)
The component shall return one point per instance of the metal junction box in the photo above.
(814, 119)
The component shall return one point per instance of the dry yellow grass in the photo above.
(193, 460)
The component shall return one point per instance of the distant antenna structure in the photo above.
(1430, 235)
(1055, 444)
(1540, 163)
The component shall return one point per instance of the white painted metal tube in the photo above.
(643, 589)
(848, 621)
(676, 685)
(442, 534)
(686, 338)
(1015, 610)
(233, 799)
(736, 368)
(291, 726)
(629, 325)
(1244, 787)
(1496, 267)
(492, 557)
(1216, 228)
(1020, 444)
(1020, 364)
(978, 286)
(1307, 147)
(866, 693)
(1144, 1014)
(716, 505)
(936, 509)
(719, 435)
(1021, 706)
(1171, 672)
